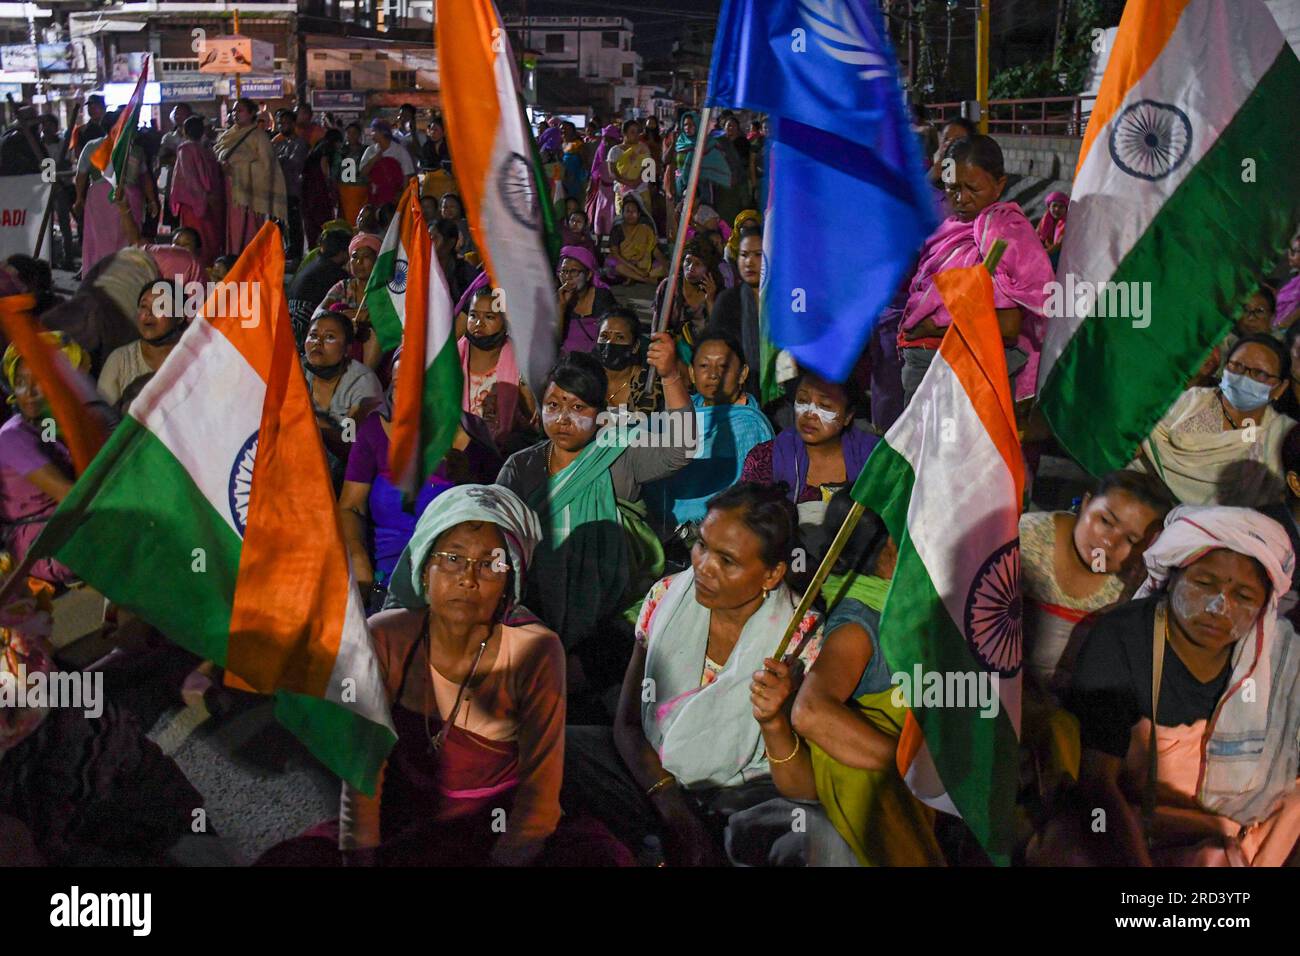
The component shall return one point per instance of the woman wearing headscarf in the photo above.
(476, 685)
(1186, 699)
(348, 297)
(686, 752)
(634, 254)
(35, 466)
(376, 524)
(1020, 284)
(1223, 445)
(255, 189)
(598, 555)
(1051, 228)
(747, 218)
(494, 389)
(600, 188)
(730, 200)
(584, 297)
(716, 172)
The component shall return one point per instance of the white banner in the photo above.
(22, 205)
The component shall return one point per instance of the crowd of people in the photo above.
(575, 621)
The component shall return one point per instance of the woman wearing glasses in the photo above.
(583, 298)
(476, 686)
(1223, 445)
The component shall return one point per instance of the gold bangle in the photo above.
(667, 781)
(797, 740)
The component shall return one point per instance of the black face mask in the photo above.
(327, 372)
(486, 343)
(169, 338)
(614, 356)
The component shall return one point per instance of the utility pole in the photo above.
(982, 65)
(238, 86)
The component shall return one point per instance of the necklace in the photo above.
(437, 740)
(609, 399)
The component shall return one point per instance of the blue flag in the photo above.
(847, 204)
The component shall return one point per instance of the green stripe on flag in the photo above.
(976, 756)
(379, 300)
(1203, 253)
(440, 406)
(137, 528)
(344, 742)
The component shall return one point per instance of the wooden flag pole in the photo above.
(679, 243)
(851, 519)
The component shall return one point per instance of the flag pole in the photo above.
(679, 243)
(851, 519)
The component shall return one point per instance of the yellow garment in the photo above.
(638, 246)
(76, 355)
(733, 244)
(253, 172)
(629, 162)
(874, 810)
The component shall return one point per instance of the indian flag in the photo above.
(1185, 195)
(211, 515)
(947, 479)
(494, 168)
(427, 405)
(111, 155)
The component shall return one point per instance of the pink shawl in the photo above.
(1020, 280)
(197, 180)
(507, 386)
(1050, 229)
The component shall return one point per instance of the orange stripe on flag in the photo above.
(83, 433)
(467, 32)
(910, 742)
(408, 401)
(292, 590)
(974, 352)
(247, 332)
(1144, 29)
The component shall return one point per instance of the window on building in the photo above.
(609, 39)
(338, 79)
(355, 56)
(401, 80)
(555, 43)
(627, 70)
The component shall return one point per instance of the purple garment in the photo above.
(1288, 300)
(21, 453)
(583, 254)
(368, 465)
(886, 370)
(790, 457)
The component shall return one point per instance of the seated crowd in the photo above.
(576, 620)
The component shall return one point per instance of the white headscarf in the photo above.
(1251, 756)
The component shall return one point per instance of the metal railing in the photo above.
(1044, 116)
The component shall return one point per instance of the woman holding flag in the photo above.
(102, 221)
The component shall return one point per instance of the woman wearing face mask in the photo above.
(494, 390)
(618, 349)
(343, 391)
(1223, 445)
(35, 473)
(681, 761)
(161, 323)
(348, 297)
(1185, 704)
(820, 454)
(583, 298)
(597, 554)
